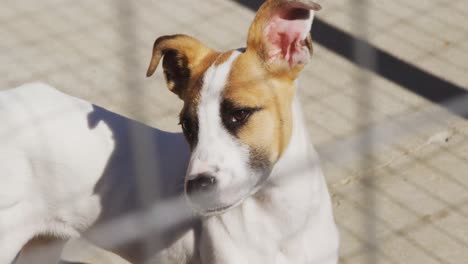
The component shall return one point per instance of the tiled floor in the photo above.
(404, 202)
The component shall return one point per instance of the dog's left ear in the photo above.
(280, 34)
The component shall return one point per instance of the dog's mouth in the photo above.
(222, 208)
(213, 210)
(218, 210)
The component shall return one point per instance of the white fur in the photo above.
(49, 163)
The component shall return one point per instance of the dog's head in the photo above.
(237, 114)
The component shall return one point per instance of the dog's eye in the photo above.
(235, 116)
(239, 117)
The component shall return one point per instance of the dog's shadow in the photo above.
(146, 168)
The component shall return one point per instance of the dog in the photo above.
(248, 171)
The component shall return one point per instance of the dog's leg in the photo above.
(12, 242)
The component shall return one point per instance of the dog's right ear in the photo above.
(182, 55)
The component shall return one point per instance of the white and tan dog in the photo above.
(252, 175)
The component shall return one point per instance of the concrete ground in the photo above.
(400, 196)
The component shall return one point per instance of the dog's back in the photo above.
(45, 133)
(48, 125)
(45, 155)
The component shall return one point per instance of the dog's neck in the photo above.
(293, 174)
(299, 155)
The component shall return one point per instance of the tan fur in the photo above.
(252, 85)
(222, 58)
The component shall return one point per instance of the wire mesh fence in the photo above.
(393, 146)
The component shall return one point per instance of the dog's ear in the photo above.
(181, 55)
(280, 34)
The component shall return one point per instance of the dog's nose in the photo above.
(200, 184)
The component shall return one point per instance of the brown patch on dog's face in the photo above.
(268, 96)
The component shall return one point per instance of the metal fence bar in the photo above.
(363, 55)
